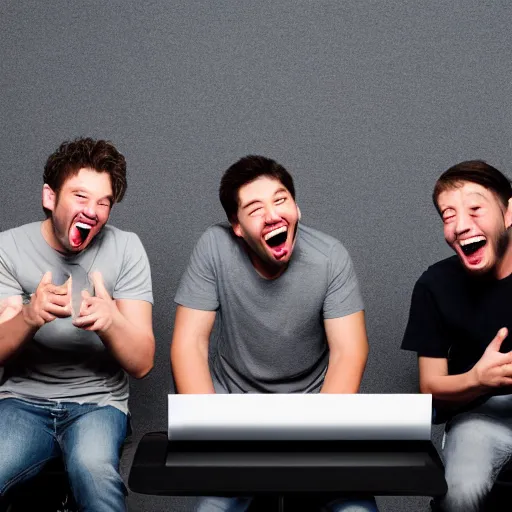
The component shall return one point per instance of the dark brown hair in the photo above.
(99, 155)
(474, 171)
(244, 171)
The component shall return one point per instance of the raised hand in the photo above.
(494, 369)
(97, 313)
(48, 302)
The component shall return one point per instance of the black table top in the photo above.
(208, 468)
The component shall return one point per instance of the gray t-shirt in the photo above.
(63, 362)
(271, 336)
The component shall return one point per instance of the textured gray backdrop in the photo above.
(365, 102)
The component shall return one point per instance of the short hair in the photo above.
(244, 171)
(99, 155)
(474, 171)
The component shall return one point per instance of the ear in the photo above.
(508, 214)
(299, 212)
(49, 197)
(237, 229)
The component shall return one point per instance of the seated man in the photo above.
(458, 324)
(65, 388)
(290, 310)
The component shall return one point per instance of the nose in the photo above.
(462, 224)
(90, 211)
(271, 215)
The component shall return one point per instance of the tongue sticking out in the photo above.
(276, 241)
(78, 234)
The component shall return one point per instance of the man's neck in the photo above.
(504, 266)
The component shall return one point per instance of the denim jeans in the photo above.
(476, 446)
(88, 437)
(214, 504)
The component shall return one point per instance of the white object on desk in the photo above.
(292, 417)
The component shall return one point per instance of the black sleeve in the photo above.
(425, 333)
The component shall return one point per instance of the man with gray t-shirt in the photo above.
(290, 312)
(75, 319)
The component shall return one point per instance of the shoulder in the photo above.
(120, 238)
(447, 270)
(218, 236)
(320, 246)
(11, 238)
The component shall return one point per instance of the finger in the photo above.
(99, 286)
(86, 294)
(58, 300)
(495, 344)
(506, 370)
(84, 321)
(47, 317)
(58, 311)
(47, 279)
(63, 289)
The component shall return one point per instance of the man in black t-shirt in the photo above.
(461, 312)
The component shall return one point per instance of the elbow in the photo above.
(147, 364)
(426, 387)
(140, 373)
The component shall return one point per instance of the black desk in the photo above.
(408, 468)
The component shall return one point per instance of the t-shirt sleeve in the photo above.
(425, 332)
(198, 285)
(343, 296)
(134, 281)
(9, 285)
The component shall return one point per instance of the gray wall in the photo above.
(365, 102)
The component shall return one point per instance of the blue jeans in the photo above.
(213, 504)
(88, 437)
(476, 446)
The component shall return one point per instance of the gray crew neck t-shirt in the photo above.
(63, 362)
(271, 336)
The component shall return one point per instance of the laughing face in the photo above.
(267, 220)
(476, 226)
(79, 210)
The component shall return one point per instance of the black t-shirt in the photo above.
(455, 315)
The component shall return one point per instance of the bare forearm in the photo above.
(132, 346)
(344, 374)
(190, 368)
(14, 332)
(457, 389)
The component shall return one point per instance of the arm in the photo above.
(493, 370)
(189, 350)
(348, 352)
(19, 323)
(125, 326)
(14, 330)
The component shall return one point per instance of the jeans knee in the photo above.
(465, 496)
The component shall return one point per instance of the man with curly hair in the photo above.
(75, 321)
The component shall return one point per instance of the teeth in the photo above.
(81, 225)
(282, 229)
(473, 240)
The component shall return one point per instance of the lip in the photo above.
(473, 260)
(273, 228)
(85, 221)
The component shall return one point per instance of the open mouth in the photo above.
(79, 233)
(471, 245)
(277, 237)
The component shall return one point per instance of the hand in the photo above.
(96, 313)
(494, 369)
(48, 302)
